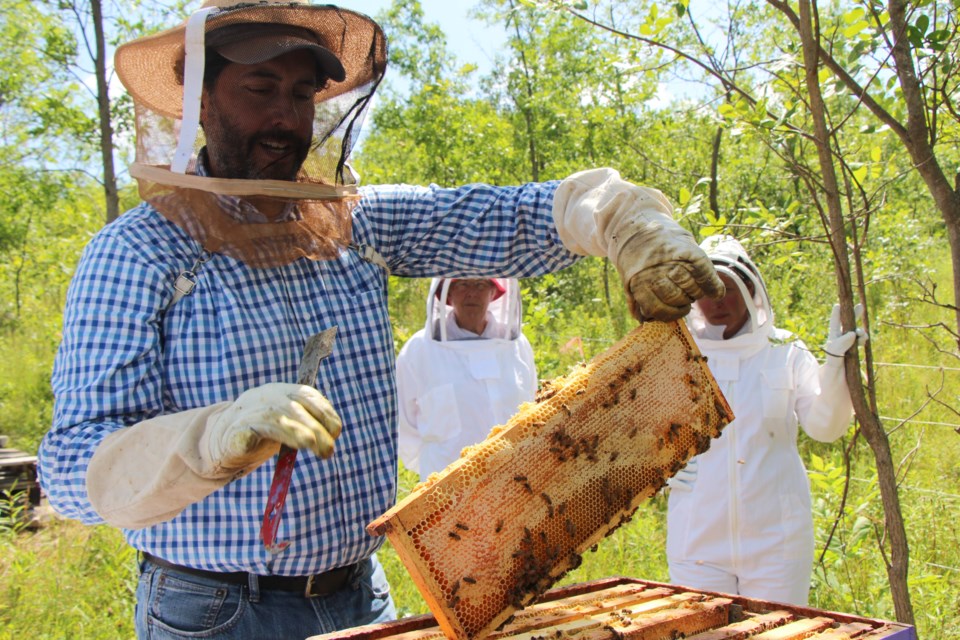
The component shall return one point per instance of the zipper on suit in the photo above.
(733, 480)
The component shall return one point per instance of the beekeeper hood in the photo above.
(164, 75)
(503, 315)
(731, 259)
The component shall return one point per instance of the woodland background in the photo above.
(824, 135)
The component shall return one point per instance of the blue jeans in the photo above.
(173, 605)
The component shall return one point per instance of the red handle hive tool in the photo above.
(318, 347)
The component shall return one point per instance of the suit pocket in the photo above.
(777, 387)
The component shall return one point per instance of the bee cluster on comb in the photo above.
(498, 527)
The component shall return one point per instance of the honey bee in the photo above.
(672, 432)
(720, 409)
(454, 535)
(469, 580)
(462, 526)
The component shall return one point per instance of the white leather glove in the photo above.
(662, 268)
(252, 429)
(839, 343)
(685, 478)
(827, 415)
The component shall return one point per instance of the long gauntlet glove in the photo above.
(829, 415)
(662, 269)
(151, 471)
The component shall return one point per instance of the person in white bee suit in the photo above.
(739, 518)
(466, 371)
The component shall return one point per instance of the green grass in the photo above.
(72, 581)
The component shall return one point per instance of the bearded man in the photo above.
(187, 317)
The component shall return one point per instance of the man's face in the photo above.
(258, 119)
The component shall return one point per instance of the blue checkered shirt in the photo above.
(126, 357)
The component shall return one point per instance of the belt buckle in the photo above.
(308, 588)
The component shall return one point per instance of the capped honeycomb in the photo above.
(499, 526)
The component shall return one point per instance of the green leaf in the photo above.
(680, 8)
(684, 196)
(855, 28)
(854, 15)
(816, 462)
(915, 36)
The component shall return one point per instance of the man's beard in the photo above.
(235, 159)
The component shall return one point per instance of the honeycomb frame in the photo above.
(495, 529)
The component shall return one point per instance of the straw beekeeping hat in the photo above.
(165, 75)
(148, 66)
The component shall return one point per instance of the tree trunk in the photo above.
(715, 173)
(898, 560)
(917, 138)
(103, 103)
(526, 109)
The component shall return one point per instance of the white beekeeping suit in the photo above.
(739, 518)
(453, 386)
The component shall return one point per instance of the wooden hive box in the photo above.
(615, 608)
(503, 523)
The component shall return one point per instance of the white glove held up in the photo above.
(839, 343)
(252, 429)
(662, 268)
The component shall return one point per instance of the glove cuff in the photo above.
(596, 212)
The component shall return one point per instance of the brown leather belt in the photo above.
(321, 584)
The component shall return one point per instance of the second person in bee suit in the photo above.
(466, 371)
(739, 518)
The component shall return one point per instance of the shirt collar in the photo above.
(239, 209)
